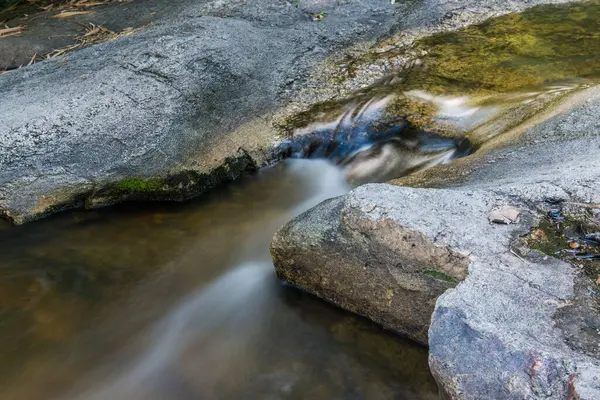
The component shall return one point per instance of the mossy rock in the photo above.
(140, 185)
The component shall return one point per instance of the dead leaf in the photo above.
(505, 215)
(68, 14)
(538, 234)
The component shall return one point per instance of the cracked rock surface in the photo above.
(506, 330)
(186, 102)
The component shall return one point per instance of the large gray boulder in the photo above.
(363, 260)
(188, 102)
(521, 325)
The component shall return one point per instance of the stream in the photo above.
(180, 301)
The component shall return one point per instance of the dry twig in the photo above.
(6, 32)
(68, 14)
(93, 34)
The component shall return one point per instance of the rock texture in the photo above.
(520, 325)
(364, 260)
(186, 103)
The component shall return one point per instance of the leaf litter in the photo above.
(93, 34)
(571, 233)
(14, 31)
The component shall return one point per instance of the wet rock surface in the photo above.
(519, 325)
(175, 100)
(368, 143)
(182, 97)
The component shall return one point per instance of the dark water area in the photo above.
(182, 302)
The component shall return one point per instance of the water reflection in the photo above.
(182, 302)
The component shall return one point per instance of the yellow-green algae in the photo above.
(499, 62)
(540, 46)
(493, 63)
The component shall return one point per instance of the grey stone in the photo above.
(519, 325)
(352, 255)
(187, 102)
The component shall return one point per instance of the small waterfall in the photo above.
(370, 145)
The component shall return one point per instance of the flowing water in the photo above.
(180, 301)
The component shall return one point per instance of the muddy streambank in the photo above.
(185, 104)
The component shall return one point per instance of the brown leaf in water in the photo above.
(538, 234)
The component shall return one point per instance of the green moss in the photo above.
(180, 185)
(440, 276)
(140, 185)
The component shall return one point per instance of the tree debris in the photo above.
(68, 14)
(14, 31)
(93, 34)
